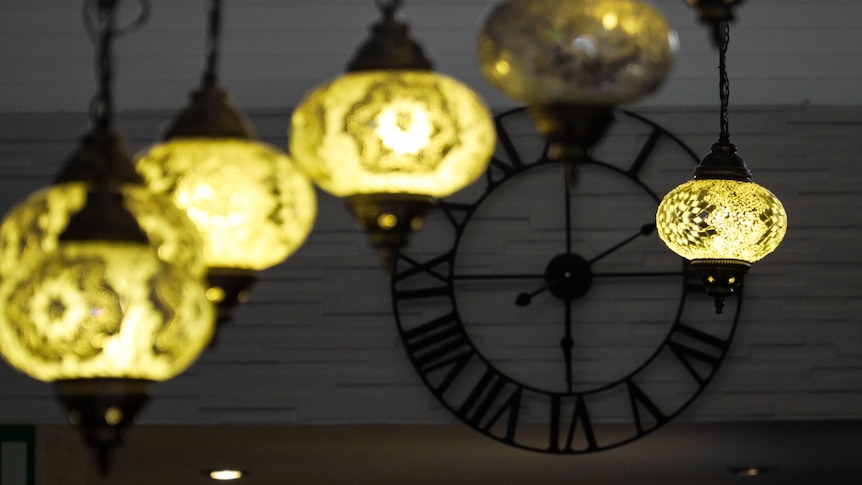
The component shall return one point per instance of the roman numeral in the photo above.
(434, 268)
(498, 170)
(697, 346)
(457, 213)
(439, 345)
(487, 393)
(638, 399)
(645, 152)
(508, 146)
(428, 267)
(579, 424)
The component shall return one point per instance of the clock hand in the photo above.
(645, 230)
(525, 298)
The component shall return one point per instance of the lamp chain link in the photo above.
(100, 24)
(103, 106)
(724, 83)
(213, 37)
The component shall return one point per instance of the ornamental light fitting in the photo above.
(391, 135)
(251, 204)
(572, 61)
(721, 221)
(102, 289)
(714, 13)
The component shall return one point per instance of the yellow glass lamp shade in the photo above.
(106, 310)
(576, 52)
(251, 205)
(721, 220)
(33, 227)
(392, 131)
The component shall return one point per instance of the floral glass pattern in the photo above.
(251, 204)
(414, 132)
(721, 219)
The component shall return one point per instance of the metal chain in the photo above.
(104, 104)
(724, 83)
(100, 23)
(212, 46)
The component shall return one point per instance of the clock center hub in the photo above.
(568, 276)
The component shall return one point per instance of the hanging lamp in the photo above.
(391, 135)
(102, 288)
(713, 13)
(572, 61)
(252, 206)
(720, 220)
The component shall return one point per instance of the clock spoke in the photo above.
(567, 191)
(567, 343)
(635, 274)
(511, 276)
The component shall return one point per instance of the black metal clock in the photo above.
(534, 310)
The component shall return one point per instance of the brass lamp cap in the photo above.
(101, 154)
(209, 115)
(390, 47)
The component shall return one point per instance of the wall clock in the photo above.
(551, 317)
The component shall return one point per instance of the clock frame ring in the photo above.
(471, 387)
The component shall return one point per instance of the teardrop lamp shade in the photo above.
(576, 52)
(714, 219)
(392, 131)
(251, 204)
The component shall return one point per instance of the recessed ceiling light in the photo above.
(750, 471)
(225, 474)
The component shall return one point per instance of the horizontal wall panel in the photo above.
(318, 343)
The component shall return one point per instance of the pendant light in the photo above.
(721, 221)
(252, 206)
(391, 135)
(713, 13)
(102, 288)
(572, 61)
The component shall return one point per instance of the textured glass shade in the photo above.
(252, 206)
(415, 132)
(32, 227)
(103, 310)
(583, 52)
(721, 219)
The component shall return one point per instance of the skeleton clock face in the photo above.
(551, 317)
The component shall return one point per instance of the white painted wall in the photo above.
(317, 343)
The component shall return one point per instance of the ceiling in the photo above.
(800, 453)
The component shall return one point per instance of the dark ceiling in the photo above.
(800, 452)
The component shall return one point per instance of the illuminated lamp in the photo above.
(101, 290)
(721, 221)
(391, 135)
(250, 203)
